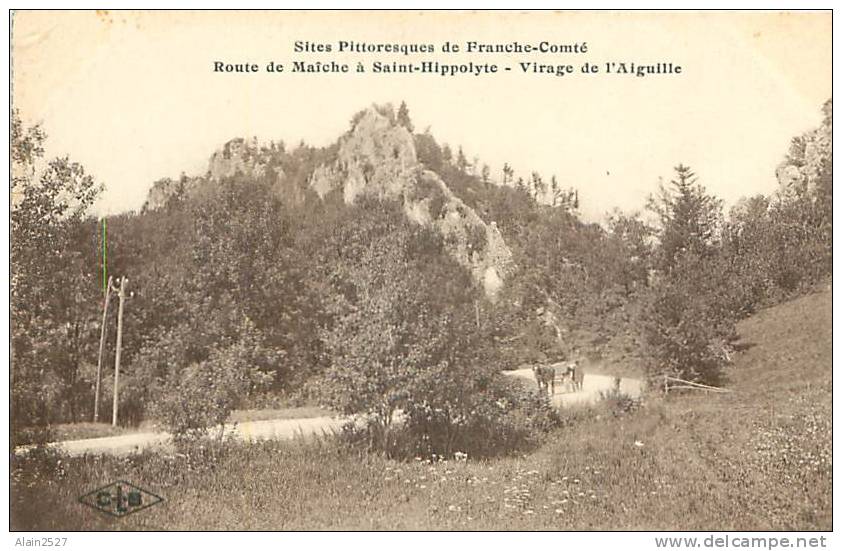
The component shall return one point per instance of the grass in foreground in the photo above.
(756, 459)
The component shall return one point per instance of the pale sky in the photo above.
(132, 96)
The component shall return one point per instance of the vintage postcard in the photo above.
(422, 270)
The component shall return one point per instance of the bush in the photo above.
(504, 418)
(619, 403)
(205, 393)
(425, 189)
(688, 321)
(476, 239)
(516, 420)
(40, 462)
(428, 152)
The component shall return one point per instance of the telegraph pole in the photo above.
(101, 350)
(121, 295)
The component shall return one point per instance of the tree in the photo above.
(689, 218)
(404, 319)
(403, 117)
(54, 285)
(688, 321)
(802, 208)
(634, 237)
(538, 187)
(688, 317)
(486, 175)
(567, 199)
(462, 161)
(508, 174)
(428, 152)
(200, 396)
(446, 154)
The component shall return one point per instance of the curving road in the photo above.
(592, 387)
(285, 429)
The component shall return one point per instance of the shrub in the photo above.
(687, 321)
(432, 192)
(513, 418)
(504, 418)
(476, 238)
(428, 152)
(204, 394)
(40, 462)
(437, 206)
(618, 402)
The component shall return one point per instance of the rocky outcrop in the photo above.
(160, 194)
(165, 189)
(377, 157)
(808, 156)
(237, 156)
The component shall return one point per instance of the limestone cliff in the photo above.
(237, 156)
(165, 189)
(378, 158)
(809, 157)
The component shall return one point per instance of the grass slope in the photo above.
(755, 459)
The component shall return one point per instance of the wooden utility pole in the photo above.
(101, 351)
(121, 295)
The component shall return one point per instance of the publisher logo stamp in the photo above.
(120, 498)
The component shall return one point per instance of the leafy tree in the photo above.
(195, 399)
(54, 284)
(404, 319)
(634, 237)
(755, 263)
(782, 244)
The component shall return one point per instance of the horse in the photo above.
(573, 376)
(545, 377)
(578, 376)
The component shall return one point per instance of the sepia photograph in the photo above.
(385, 271)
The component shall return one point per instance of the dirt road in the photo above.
(592, 386)
(283, 429)
(277, 429)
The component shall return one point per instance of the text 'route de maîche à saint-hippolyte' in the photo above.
(442, 68)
